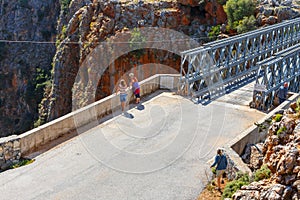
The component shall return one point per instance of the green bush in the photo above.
(263, 173)
(247, 24)
(22, 162)
(278, 117)
(214, 32)
(236, 10)
(233, 186)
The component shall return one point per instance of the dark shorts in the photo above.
(137, 93)
(123, 97)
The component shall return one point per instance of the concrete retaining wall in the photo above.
(13, 147)
(253, 136)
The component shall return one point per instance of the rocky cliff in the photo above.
(280, 153)
(98, 21)
(27, 33)
(43, 44)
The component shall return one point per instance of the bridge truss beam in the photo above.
(282, 67)
(216, 65)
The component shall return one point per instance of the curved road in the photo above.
(160, 153)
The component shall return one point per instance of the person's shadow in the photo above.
(128, 115)
(140, 107)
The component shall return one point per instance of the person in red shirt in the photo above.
(134, 83)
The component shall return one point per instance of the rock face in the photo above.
(281, 153)
(253, 156)
(63, 33)
(23, 62)
(275, 11)
(91, 24)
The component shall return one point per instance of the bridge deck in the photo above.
(159, 154)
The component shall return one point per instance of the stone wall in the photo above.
(12, 148)
(10, 151)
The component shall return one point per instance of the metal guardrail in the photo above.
(225, 61)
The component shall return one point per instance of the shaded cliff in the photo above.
(84, 29)
(26, 28)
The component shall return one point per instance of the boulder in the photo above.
(246, 194)
(275, 192)
(256, 158)
(296, 185)
(271, 20)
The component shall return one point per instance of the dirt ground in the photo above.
(211, 193)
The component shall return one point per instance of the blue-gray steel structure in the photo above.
(283, 66)
(211, 68)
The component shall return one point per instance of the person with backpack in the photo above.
(221, 165)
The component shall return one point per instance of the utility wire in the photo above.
(104, 42)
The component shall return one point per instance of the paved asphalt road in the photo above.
(160, 154)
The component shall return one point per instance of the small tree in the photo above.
(236, 10)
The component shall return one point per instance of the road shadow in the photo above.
(228, 88)
(128, 115)
(140, 107)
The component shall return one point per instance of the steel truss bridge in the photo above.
(269, 55)
(283, 66)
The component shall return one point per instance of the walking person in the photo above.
(123, 94)
(134, 83)
(282, 92)
(221, 165)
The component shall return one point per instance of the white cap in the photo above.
(131, 75)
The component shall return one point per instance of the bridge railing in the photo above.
(283, 66)
(224, 62)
